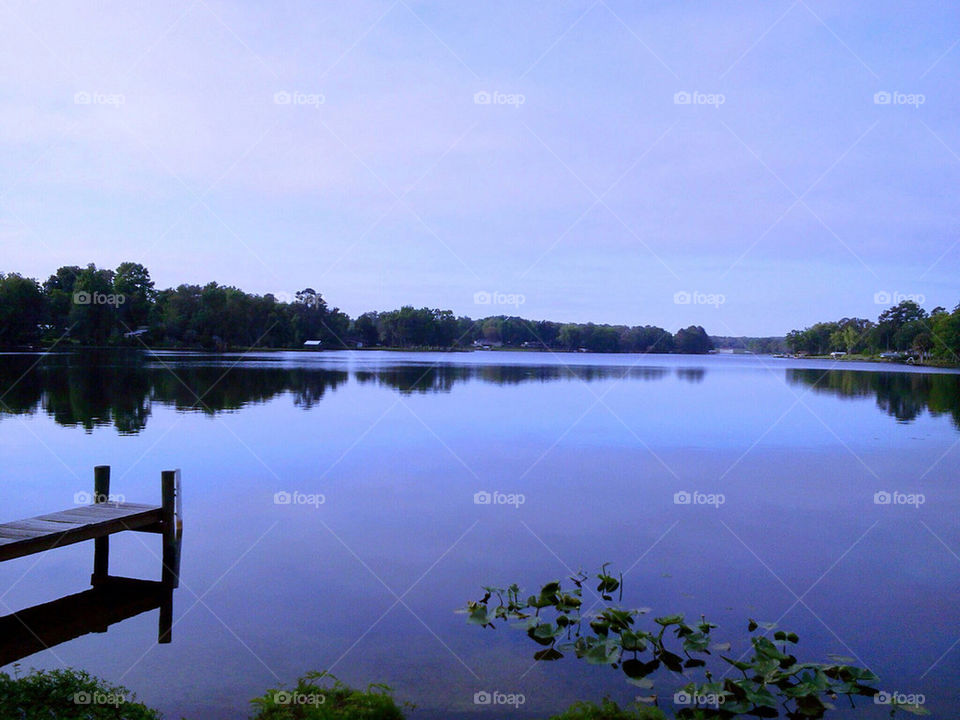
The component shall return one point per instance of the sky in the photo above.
(749, 167)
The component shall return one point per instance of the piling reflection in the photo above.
(110, 601)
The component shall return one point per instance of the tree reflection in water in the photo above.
(119, 389)
(903, 395)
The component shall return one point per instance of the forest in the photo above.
(905, 329)
(98, 307)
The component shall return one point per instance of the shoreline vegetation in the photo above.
(903, 333)
(93, 306)
(89, 307)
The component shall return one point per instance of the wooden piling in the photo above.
(101, 545)
(97, 522)
(170, 490)
(165, 626)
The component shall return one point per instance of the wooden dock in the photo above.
(98, 521)
(111, 599)
(45, 532)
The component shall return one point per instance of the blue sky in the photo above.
(343, 146)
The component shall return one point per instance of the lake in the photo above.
(339, 507)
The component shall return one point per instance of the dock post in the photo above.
(170, 492)
(165, 628)
(101, 545)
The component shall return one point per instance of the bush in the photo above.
(313, 700)
(68, 695)
(608, 710)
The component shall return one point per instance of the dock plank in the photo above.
(32, 535)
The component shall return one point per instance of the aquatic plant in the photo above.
(768, 678)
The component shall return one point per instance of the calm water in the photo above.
(398, 444)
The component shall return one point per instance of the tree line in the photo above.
(905, 328)
(93, 306)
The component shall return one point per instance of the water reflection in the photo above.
(119, 390)
(110, 601)
(95, 391)
(441, 378)
(904, 396)
(693, 375)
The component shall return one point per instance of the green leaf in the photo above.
(604, 653)
(544, 634)
(841, 658)
(738, 664)
(914, 709)
(669, 620)
(632, 641)
(550, 588)
(698, 642)
(478, 615)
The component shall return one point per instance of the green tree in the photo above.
(945, 334)
(570, 337)
(693, 340)
(59, 291)
(897, 326)
(366, 329)
(93, 314)
(23, 309)
(132, 281)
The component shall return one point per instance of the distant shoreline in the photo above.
(873, 359)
